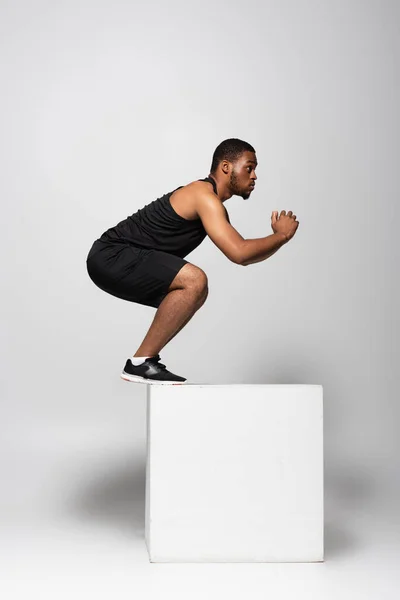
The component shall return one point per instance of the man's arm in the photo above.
(256, 260)
(215, 219)
(256, 250)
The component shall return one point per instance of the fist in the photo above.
(284, 223)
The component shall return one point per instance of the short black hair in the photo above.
(231, 150)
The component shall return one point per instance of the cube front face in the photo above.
(234, 473)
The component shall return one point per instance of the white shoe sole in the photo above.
(136, 379)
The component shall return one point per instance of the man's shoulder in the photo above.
(198, 186)
(186, 199)
(203, 195)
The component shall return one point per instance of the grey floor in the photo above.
(72, 526)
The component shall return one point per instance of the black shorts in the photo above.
(132, 273)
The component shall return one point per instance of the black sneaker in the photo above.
(150, 371)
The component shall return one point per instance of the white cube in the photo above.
(234, 473)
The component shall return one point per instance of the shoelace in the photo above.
(155, 360)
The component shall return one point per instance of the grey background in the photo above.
(106, 106)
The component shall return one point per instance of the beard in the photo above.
(234, 187)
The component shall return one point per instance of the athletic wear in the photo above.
(157, 226)
(139, 258)
(151, 371)
(133, 274)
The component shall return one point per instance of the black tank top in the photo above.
(158, 226)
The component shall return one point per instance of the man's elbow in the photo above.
(238, 260)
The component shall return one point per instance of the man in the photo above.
(141, 259)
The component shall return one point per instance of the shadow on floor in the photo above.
(115, 498)
(349, 494)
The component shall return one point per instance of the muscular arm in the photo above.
(215, 219)
(256, 260)
(258, 249)
(216, 222)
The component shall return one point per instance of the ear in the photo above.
(225, 165)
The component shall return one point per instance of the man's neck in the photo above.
(223, 192)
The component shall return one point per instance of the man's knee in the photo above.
(191, 277)
(201, 281)
(204, 294)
